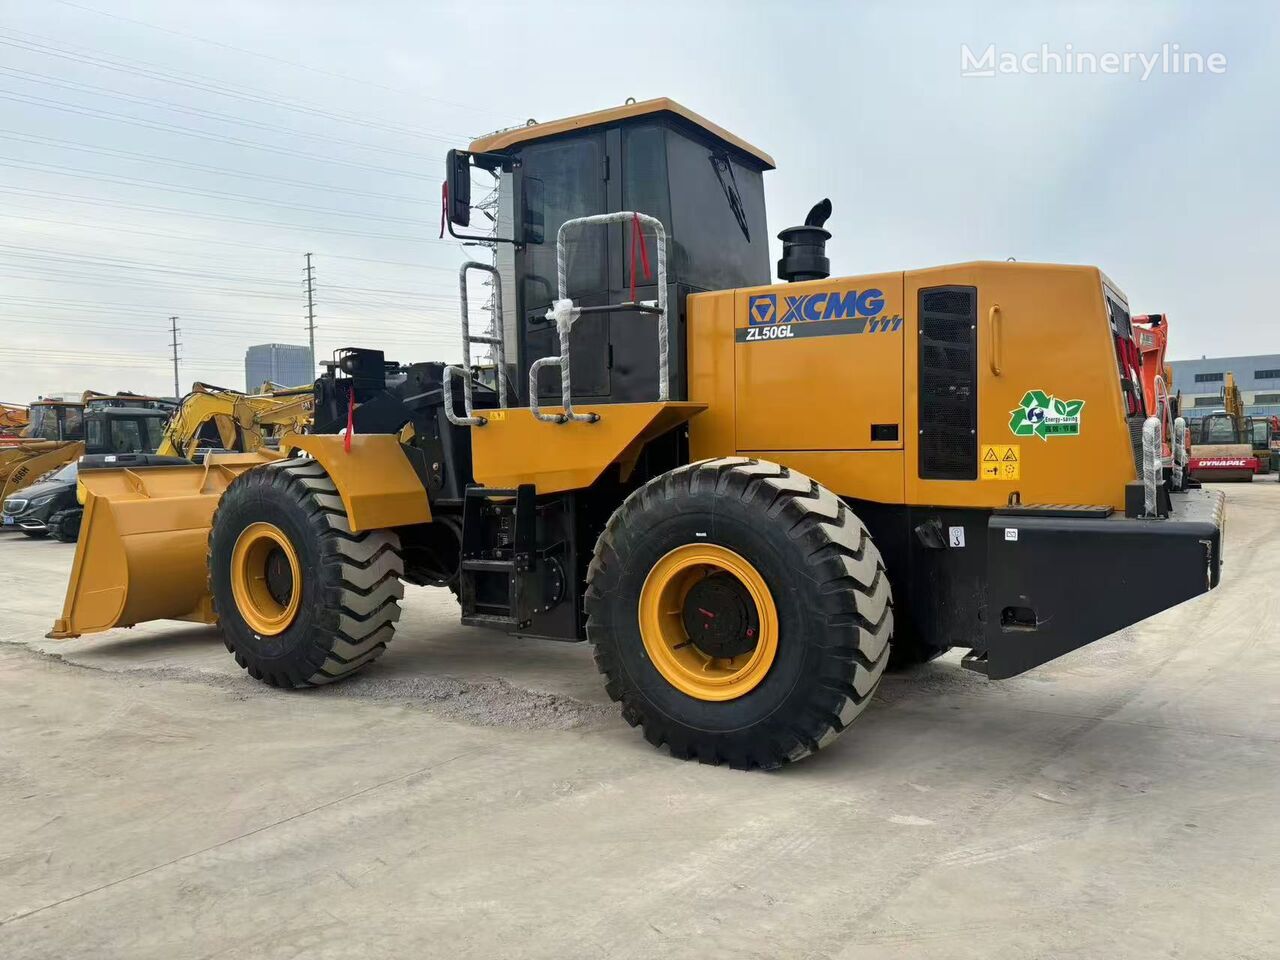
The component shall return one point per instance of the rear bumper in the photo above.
(1056, 583)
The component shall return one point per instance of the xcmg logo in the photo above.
(762, 309)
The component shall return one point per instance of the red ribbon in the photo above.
(351, 419)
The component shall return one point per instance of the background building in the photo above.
(1200, 382)
(282, 363)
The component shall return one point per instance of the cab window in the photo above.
(126, 437)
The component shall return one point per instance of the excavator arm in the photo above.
(243, 422)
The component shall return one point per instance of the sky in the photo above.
(170, 158)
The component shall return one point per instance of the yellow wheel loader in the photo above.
(748, 496)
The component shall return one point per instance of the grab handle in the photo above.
(995, 327)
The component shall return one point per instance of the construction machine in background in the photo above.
(218, 418)
(14, 418)
(1151, 336)
(141, 434)
(113, 426)
(1261, 431)
(746, 495)
(1222, 449)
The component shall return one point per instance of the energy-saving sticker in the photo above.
(1043, 415)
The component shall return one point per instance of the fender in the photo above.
(377, 483)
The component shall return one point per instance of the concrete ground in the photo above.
(471, 796)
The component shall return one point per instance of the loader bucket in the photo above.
(143, 541)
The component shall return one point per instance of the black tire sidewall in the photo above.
(704, 517)
(268, 496)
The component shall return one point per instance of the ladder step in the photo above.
(493, 566)
(485, 492)
(490, 620)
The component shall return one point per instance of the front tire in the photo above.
(764, 578)
(301, 600)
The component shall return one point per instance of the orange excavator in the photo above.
(1151, 334)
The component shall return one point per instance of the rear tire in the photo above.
(349, 586)
(827, 600)
(65, 525)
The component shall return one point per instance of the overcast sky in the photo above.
(174, 157)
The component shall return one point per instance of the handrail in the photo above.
(564, 313)
(1152, 466)
(495, 339)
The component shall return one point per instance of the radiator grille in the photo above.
(948, 383)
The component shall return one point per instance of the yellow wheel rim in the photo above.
(682, 663)
(266, 578)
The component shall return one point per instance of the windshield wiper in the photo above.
(721, 163)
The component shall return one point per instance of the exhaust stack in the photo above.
(804, 249)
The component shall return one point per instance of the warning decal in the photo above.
(1000, 461)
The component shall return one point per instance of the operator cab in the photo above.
(120, 430)
(55, 420)
(658, 158)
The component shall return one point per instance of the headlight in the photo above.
(43, 500)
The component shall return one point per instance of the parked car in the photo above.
(46, 507)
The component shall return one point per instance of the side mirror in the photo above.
(458, 181)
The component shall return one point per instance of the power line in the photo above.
(266, 56)
(152, 160)
(225, 218)
(110, 309)
(43, 79)
(79, 173)
(97, 227)
(200, 135)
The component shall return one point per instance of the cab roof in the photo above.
(504, 139)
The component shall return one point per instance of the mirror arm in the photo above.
(479, 237)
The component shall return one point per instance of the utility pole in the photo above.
(311, 309)
(173, 326)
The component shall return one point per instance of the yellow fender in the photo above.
(378, 485)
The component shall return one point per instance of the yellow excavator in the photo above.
(14, 418)
(748, 495)
(211, 417)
